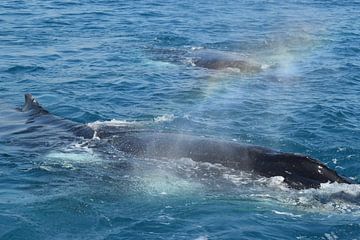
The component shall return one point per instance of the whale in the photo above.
(297, 171)
(218, 60)
(223, 63)
(210, 59)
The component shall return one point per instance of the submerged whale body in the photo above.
(298, 171)
(219, 64)
(217, 60)
(209, 59)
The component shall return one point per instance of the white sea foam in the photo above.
(330, 197)
(164, 118)
(196, 48)
(125, 123)
(264, 66)
(190, 61)
(74, 157)
(163, 182)
(238, 178)
(202, 238)
(351, 189)
(71, 158)
(337, 198)
(275, 182)
(286, 214)
(331, 236)
(334, 192)
(114, 123)
(160, 64)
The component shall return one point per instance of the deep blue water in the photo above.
(130, 62)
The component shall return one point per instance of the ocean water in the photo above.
(130, 63)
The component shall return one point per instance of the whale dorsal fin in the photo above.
(31, 104)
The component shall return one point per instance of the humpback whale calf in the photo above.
(218, 60)
(210, 59)
(298, 171)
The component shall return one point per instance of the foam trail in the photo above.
(125, 123)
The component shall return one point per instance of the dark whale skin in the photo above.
(298, 171)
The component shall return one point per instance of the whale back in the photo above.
(298, 171)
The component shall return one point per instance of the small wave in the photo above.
(159, 182)
(125, 123)
(265, 66)
(69, 160)
(73, 157)
(352, 189)
(277, 182)
(238, 178)
(53, 22)
(190, 61)
(340, 191)
(196, 48)
(159, 64)
(164, 118)
(202, 238)
(286, 214)
(113, 123)
(24, 69)
(338, 198)
(330, 197)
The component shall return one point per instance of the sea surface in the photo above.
(131, 63)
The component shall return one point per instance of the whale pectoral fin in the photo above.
(31, 104)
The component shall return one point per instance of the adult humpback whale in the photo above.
(298, 171)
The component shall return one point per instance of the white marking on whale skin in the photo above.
(320, 169)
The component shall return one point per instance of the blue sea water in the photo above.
(129, 63)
